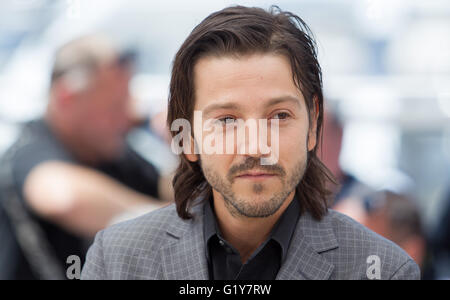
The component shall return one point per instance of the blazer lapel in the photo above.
(185, 258)
(304, 260)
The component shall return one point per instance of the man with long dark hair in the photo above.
(247, 213)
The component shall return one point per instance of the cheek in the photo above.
(220, 164)
(292, 145)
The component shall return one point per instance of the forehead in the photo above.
(250, 80)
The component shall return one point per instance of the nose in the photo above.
(253, 138)
(259, 140)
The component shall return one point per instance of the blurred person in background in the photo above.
(72, 171)
(391, 215)
(440, 242)
(397, 218)
(350, 191)
(158, 125)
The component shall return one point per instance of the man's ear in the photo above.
(62, 93)
(190, 155)
(314, 116)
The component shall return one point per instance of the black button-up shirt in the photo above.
(224, 261)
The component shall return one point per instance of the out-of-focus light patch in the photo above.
(444, 102)
(341, 54)
(371, 101)
(371, 141)
(150, 93)
(18, 16)
(369, 149)
(380, 18)
(25, 78)
(392, 179)
(77, 18)
(193, 6)
(424, 48)
(446, 142)
(23, 86)
(8, 134)
(25, 4)
(435, 7)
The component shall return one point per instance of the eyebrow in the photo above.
(234, 105)
(282, 99)
(213, 107)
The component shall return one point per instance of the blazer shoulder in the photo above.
(363, 248)
(145, 228)
(129, 250)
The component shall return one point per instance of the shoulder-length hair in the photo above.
(239, 31)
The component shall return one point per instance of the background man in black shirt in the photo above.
(73, 171)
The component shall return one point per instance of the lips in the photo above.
(256, 175)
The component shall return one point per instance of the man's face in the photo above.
(103, 112)
(258, 86)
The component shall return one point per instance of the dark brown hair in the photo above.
(241, 31)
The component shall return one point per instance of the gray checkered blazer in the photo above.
(160, 245)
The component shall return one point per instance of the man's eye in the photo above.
(281, 116)
(227, 120)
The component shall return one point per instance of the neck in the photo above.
(244, 233)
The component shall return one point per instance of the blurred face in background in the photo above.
(258, 86)
(330, 149)
(99, 115)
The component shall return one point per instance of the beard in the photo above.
(237, 205)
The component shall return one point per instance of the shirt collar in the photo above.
(286, 225)
(210, 223)
(281, 233)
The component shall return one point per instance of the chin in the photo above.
(253, 198)
(258, 190)
(258, 210)
(256, 197)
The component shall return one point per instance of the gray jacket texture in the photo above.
(161, 245)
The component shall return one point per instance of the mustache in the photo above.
(254, 163)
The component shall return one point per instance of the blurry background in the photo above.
(386, 72)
